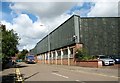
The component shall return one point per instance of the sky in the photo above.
(34, 19)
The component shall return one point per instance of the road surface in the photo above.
(42, 72)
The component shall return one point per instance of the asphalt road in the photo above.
(56, 73)
(42, 72)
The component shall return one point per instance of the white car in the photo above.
(106, 60)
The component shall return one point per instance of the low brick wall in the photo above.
(54, 61)
(72, 62)
(92, 63)
(39, 61)
(58, 61)
(65, 61)
(51, 61)
(46, 61)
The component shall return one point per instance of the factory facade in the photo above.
(97, 35)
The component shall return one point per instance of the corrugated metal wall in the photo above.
(33, 51)
(42, 46)
(63, 35)
(100, 35)
(60, 37)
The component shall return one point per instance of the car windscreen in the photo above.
(30, 57)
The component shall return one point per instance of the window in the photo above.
(65, 52)
(59, 53)
(71, 50)
(53, 55)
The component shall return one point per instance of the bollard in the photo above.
(18, 76)
(17, 71)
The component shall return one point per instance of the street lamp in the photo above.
(74, 37)
(48, 46)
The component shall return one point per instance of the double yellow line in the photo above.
(18, 76)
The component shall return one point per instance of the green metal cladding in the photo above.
(42, 46)
(99, 35)
(63, 35)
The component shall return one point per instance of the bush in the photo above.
(86, 57)
(81, 54)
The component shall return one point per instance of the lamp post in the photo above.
(48, 46)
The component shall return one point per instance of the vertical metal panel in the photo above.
(77, 32)
(118, 21)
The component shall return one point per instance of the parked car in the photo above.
(19, 60)
(106, 60)
(30, 59)
(116, 58)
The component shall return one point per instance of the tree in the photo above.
(22, 54)
(9, 42)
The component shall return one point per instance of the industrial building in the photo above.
(97, 35)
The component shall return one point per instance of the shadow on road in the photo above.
(8, 78)
(30, 76)
(20, 66)
(8, 66)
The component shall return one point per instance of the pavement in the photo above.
(7, 75)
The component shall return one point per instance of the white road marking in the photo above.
(100, 74)
(60, 75)
(77, 80)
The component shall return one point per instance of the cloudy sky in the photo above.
(35, 19)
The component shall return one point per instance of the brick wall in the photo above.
(65, 61)
(89, 63)
(72, 62)
(58, 61)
